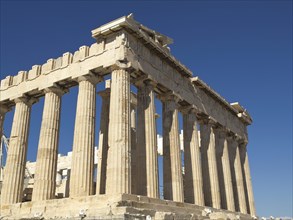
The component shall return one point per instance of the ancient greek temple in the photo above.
(215, 182)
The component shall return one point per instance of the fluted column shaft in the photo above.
(247, 178)
(147, 162)
(193, 183)
(82, 168)
(119, 164)
(12, 191)
(46, 164)
(103, 142)
(173, 182)
(237, 177)
(224, 171)
(209, 166)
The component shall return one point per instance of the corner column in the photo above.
(193, 189)
(46, 164)
(247, 178)
(82, 168)
(119, 164)
(173, 181)
(209, 165)
(12, 191)
(147, 161)
(103, 140)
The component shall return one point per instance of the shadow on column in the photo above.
(232, 155)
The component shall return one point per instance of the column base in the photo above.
(122, 206)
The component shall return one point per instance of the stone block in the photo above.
(58, 63)
(66, 59)
(34, 72)
(83, 52)
(48, 67)
(5, 83)
(75, 57)
(20, 77)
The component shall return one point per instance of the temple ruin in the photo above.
(216, 181)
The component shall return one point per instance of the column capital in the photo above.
(189, 109)
(92, 78)
(58, 90)
(169, 96)
(208, 120)
(242, 141)
(26, 99)
(122, 64)
(145, 80)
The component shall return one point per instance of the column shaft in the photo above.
(230, 202)
(119, 164)
(81, 177)
(147, 162)
(103, 142)
(12, 191)
(224, 171)
(193, 183)
(240, 182)
(46, 165)
(247, 179)
(173, 182)
(209, 166)
(237, 177)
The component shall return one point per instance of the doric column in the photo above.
(12, 191)
(193, 183)
(247, 178)
(173, 182)
(209, 166)
(224, 170)
(46, 164)
(103, 142)
(119, 164)
(146, 151)
(133, 104)
(237, 177)
(82, 168)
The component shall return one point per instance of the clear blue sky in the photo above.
(242, 49)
